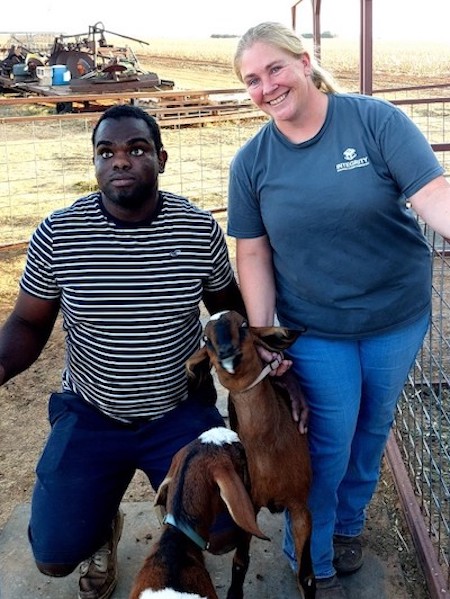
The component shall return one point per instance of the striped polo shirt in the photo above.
(130, 298)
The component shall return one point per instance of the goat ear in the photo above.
(161, 494)
(160, 501)
(275, 338)
(237, 500)
(197, 363)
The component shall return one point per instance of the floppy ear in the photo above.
(275, 338)
(160, 501)
(237, 500)
(198, 363)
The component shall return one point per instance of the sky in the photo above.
(143, 19)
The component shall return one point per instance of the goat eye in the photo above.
(243, 330)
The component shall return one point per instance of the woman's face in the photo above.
(277, 82)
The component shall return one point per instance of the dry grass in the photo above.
(394, 63)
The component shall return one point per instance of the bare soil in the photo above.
(24, 426)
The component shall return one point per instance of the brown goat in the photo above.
(277, 454)
(205, 479)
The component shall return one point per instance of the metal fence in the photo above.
(47, 163)
(420, 458)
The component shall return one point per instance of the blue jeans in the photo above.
(352, 388)
(87, 464)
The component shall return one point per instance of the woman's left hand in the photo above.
(272, 357)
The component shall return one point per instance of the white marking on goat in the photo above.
(227, 365)
(168, 594)
(217, 315)
(219, 435)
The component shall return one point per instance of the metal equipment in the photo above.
(94, 65)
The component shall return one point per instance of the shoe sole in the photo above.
(344, 571)
(107, 594)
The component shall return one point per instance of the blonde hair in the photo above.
(285, 39)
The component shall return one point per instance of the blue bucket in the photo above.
(61, 75)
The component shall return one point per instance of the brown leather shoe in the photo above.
(98, 574)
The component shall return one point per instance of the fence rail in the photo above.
(48, 163)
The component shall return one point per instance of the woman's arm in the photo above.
(256, 279)
(432, 204)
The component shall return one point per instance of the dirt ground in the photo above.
(24, 426)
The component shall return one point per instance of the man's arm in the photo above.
(229, 298)
(25, 333)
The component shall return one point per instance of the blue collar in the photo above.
(187, 530)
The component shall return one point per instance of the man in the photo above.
(128, 267)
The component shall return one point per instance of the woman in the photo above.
(320, 204)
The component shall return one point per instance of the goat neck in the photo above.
(247, 367)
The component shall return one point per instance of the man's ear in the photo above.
(162, 159)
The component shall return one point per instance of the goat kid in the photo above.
(206, 477)
(277, 454)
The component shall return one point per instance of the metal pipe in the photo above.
(426, 553)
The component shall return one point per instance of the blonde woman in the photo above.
(319, 202)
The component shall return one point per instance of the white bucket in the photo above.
(44, 74)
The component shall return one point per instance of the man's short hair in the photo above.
(128, 110)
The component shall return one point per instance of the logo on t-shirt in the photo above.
(352, 161)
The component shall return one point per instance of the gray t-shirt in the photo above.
(350, 259)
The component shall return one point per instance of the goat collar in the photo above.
(187, 530)
(264, 372)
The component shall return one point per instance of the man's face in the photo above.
(127, 163)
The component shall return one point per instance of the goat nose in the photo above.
(230, 362)
(228, 365)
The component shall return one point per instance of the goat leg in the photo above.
(241, 560)
(301, 529)
(305, 573)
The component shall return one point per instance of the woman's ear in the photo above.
(306, 61)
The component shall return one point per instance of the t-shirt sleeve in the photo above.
(408, 154)
(222, 270)
(38, 278)
(244, 214)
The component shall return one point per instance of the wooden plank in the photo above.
(67, 96)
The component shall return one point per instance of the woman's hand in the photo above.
(287, 380)
(274, 357)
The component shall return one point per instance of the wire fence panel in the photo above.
(422, 427)
(47, 164)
